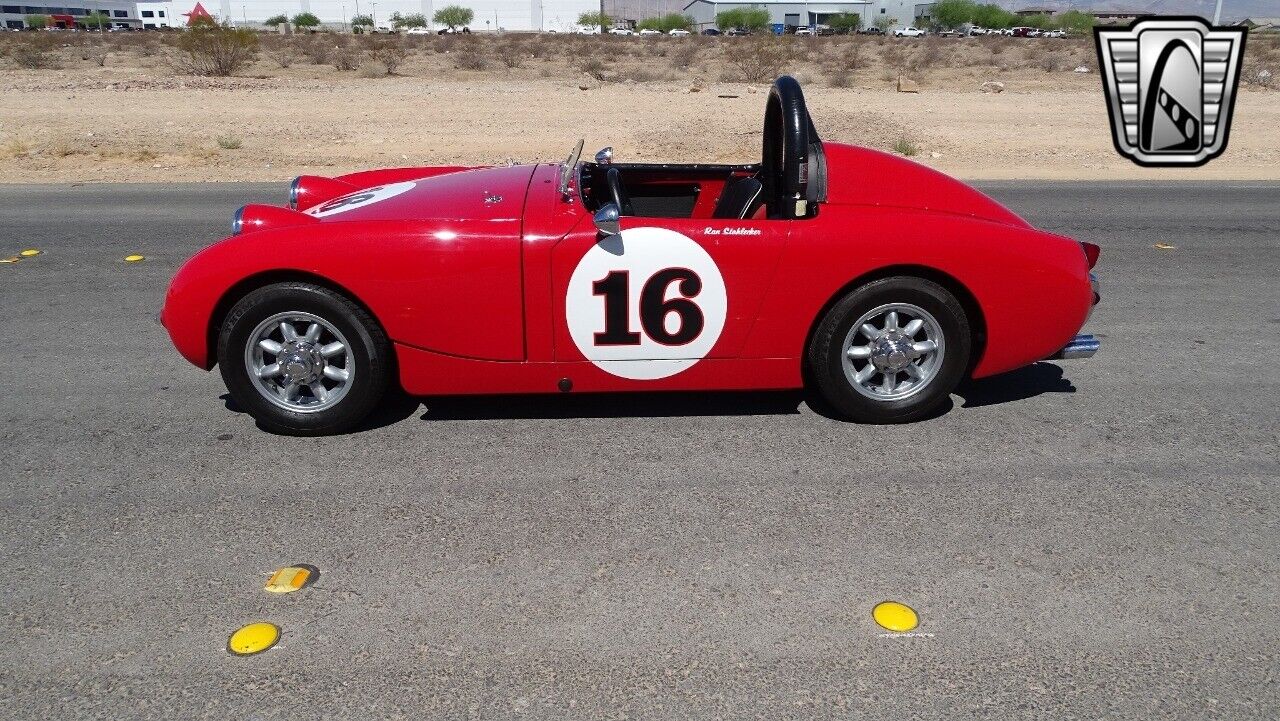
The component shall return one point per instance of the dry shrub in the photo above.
(389, 54)
(511, 54)
(316, 49)
(370, 69)
(592, 66)
(216, 51)
(926, 57)
(1049, 62)
(283, 56)
(637, 74)
(34, 51)
(470, 57)
(342, 57)
(845, 59)
(95, 54)
(684, 56)
(894, 56)
(756, 60)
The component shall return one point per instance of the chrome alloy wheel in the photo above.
(299, 361)
(893, 351)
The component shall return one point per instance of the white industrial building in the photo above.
(67, 13)
(791, 14)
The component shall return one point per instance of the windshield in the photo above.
(569, 164)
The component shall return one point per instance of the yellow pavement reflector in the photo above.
(895, 616)
(254, 638)
(29, 252)
(292, 578)
(133, 258)
(14, 259)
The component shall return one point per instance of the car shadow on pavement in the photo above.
(1016, 385)
(613, 405)
(394, 408)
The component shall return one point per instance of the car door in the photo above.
(662, 294)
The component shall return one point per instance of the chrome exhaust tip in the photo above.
(1082, 346)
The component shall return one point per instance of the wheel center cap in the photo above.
(891, 352)
(301, 363)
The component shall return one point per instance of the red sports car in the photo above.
(877, 282)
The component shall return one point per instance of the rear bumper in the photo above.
(1083, 345)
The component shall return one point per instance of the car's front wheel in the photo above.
(890, 351)
(302, 359)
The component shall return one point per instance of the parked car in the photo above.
(649, 31)
(599, 276)
(908, 32)
(417, 31)
(976, 30)
(1021, 32)
(710, 31)
(1054, 34)
(621, 31)
(678, 32)
(873, 30)
(806, 31)
(738, 32)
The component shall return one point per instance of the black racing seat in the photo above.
(739, 199)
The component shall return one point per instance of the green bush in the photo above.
(595, 19)
(305, 21)
(952, 13)
(753, 18)
(454, 16)
(993, 17)
(275, 21)
(37, 22)
(413, 20)
(845, 22)
(667, 23)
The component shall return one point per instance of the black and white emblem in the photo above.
(1170, 85)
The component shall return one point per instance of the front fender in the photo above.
(431, 285)
(1031, 287)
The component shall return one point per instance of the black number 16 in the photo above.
(615, 287)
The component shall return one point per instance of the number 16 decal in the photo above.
(647, 304)
(653, 309)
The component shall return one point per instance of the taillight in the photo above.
(1091, 252)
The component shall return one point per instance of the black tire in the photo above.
(825, 359)
(370, 351)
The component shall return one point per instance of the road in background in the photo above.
(1087, 539)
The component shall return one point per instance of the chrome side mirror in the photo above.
(605, 156)
(606, 219)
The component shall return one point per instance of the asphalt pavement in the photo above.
(1084, 539)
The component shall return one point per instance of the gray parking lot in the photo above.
(1086, 539)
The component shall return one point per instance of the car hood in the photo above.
(477, 194)
(861, 176)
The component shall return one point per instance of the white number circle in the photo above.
(360, 199)
(667, 273)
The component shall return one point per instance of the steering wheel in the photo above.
(792, 168)
(620, 197)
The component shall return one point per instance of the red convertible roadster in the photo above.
(873, 280)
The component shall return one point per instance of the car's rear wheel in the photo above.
(890, 351)
(302, 359)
